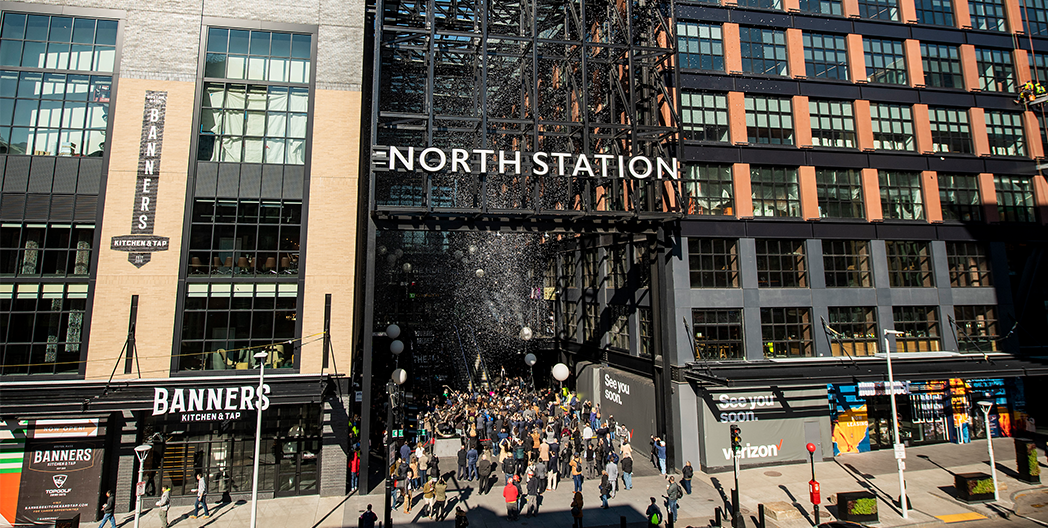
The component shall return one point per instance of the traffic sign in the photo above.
(900, 451)
(140, 489)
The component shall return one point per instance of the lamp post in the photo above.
(142, 452)
(261, 357)
(900, 451)
(393, 389)
(985, 405)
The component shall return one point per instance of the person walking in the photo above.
(534, 488)
(367, 519)
(686, 475)
(354, 471)
(613, 474)
(471, 464)
(429, 495)
(660, 449)
(576, 509)
(653, 513)
(462, 462)
(627, 471)
(164, 504)
(484, 471)
(673, 494)
(440, 499)
(542, 474)
(605, 489)
(107, 510)
(576, 472)
(408, 488)
(460, 518)
(201, 497)
(510, 494)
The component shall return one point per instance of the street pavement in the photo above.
(929, 478)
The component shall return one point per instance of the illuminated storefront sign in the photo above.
(433, 159)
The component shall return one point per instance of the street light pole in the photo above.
(142, 452)
(261, 357)
(900, 453)
(989, 445)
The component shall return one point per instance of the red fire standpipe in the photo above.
(813, 485)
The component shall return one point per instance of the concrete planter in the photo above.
(973, 487)
(1026, 461)
(857, 506)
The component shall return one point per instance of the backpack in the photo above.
(655, 519)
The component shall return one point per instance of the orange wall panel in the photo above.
(851, 8)
(914, 65)
(907, 11)
(801, 122)
(922, 128)
(969, 68)
(1021, 58)
(1034, 146)
(977, 118)
(1013, 13)
(856, 58)
(732, 49)
(961, 16)
(743, 193)
(863, 126)
(988, 198)
(1040, 197)
(737, 117)
(809, 193)
(795, 53)
(871, 195)
(930, 193)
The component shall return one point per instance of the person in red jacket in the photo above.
(511, 494)
(354, 471)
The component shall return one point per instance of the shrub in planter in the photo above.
(857, 506)
(1026, 461)
(973, 487)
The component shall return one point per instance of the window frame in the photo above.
(959, 197)
(830, 187)
(1005, 138)
(920, 326)
(785, 329)
(712, 106)
(774, 190)
(726, 325)
(691, 46)
(983, 318)
(756, 62)
(1015, 200)
(853, 327)
(713, 262)
(781, 263)
(839, 121)
(817, 56)
(995, 69)
(951, 130)
(894, 131)
(969, 265)
(763, 113)
(910, 264)
(952, 71)
(885, 66)
(847, 263)
(706, 188)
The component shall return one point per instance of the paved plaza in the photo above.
(929, 476)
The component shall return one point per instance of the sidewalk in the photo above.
(928, 476)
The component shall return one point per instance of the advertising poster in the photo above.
(851, 425)
(61, 471)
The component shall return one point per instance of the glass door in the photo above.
(297, 466)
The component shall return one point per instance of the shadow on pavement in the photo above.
(936, 464)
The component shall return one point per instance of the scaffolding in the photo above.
(577, 76)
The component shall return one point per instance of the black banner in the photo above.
(60, 480)
(144, 208)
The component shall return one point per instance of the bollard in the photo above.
(760, 516)
(717, 517)
(622, 521)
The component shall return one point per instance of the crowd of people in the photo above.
(527, 441)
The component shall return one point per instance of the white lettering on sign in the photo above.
(614, 389)
(747, 403)
(231, 399)
(432, 159)
(748, 451)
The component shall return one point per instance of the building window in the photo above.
(41, 250)
(977, 329)
(1014, 198)
(950, 130)
(775, 191)
(705, 116)
(901, 195)
(718, 334)
(892, 126)
(920, 327)
(619, 335)
(969, 265)
(840, 193)
(1005, 131)
(846, 263)
(879, 9)
(780, 263)
(590, 270)
(63, 111)
(935, 12)
(1035, 18)
(569, 269)
(826, 56)
(988, 15)
(708, 189)
(254, 122)
(769, 120)
(909, 264)
(647, 335)
(825, 7)
(224, 324)
(959, 197)
(996, 73)
(701, 46)
(41, 328)
(853, 330)
(571, 320)
(942, 65)
(763, 51)
(617, 263)
(786, 332)
(713, 262)
(832, 123)
(1039, 65)
(762, 4)
(885, 61)
(245, 237)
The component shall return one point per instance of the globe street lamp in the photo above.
(985, 405)
(530, 360)
(261, 357)
(142, 452)
(399, 377)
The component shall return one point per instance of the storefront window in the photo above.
(223, 452)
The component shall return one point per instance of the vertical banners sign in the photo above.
(141, 242)
(61, 471)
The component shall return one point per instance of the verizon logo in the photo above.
(752, 451)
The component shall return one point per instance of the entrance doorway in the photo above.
(296, 466)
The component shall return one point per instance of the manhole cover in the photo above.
(772, 474)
